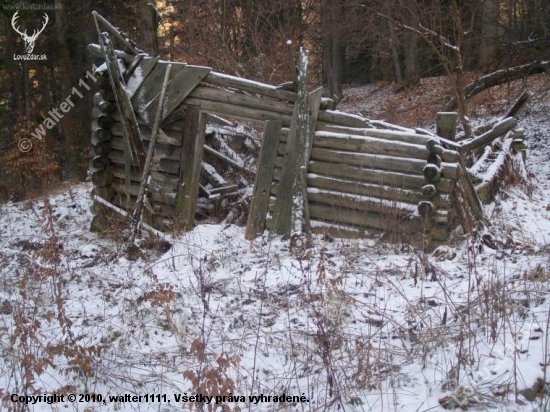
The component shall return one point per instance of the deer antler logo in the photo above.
(29, 40)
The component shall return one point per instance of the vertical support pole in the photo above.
(190, 166)
(264, 179)
(446, 123)
(289, 204)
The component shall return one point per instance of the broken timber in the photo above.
(319, 170)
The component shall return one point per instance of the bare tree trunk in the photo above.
(393, 46)
(410, 44)
(332, 49)
(489, 31)
(148, 24)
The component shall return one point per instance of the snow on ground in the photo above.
(349, 325)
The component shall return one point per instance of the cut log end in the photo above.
(426, 209)
(432, 173)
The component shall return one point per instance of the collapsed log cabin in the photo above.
(319, 170)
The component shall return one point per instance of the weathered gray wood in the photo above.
(429, 191)
(432, 173)
(165, 137)
(250, 86)
(518, 105)
(380, 162)
(163, 166)
(352, 217)
(102, 148)
(150, 88)
(101, 162)
(247, 113)
(191, 158)
(168, 182)
(342, 119)
(102, 178)
(114, 31)
(264, 177)
(426, 209)
(106, 192)
(360, 203)
(434, 159)
(136, 215)
(162, 151)
(165, 197)
(446, 123)
(224, 96)
(95, 50)
(450, 156)
(289, 204)
(314, 103)
(101, 135)
(225, 159)
(180, 86)
(370, 145)
(137, 78)
(368, 189)
(392, 179)
(133, 66)
(502, 127)
(390, 135)
(467, 202)
(292, 62)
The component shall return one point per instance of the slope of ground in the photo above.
(349, 325)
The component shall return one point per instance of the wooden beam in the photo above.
(180, 86)
(250, 86)
(502, 127)
(446, 123)
(115, 32)
(264, 178)
(190, 166)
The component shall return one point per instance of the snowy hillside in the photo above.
(349, 325)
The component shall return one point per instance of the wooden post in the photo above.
(264, 178)
(289, 204)
(190, 166)
(136, 216)
(446, 125)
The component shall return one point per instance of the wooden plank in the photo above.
(140, 75)
(150, 88)
(191, 158)
(165, 197)
(248, 113)
(224, 96)
(134, 149)
(161, 150)
(369, 189)
(250, 86)
(351, 217)
(167, 182)
(381, 162)
(342, 119)
(114, 31)
(288, 211)
(499, 129)
(392, 179)
(165, 137)
(390, 135)
(370, 145)
(163, 166)
(314, 102)
(179, 88)
(360, 203)
(264, 177)
(446, 123)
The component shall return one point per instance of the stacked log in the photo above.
(370, 180)
(102, 177)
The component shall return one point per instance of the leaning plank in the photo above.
(134, 149)
(150, 88)
(99, 18)
(250, 86)
(136, 216)
(502, 127)
(95, 50)
(191, 159)
(371, 145)
(225, 159)
(181, 85)
(264, 177)
(140, 74)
